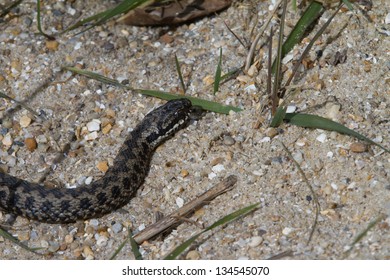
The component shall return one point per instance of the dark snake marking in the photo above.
(113, 190)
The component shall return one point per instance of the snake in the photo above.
(113, 190)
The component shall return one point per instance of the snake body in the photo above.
(110, 192)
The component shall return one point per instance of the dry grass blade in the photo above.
(227, 219)
(39, 26)
(183, 86)
(175, 217)
(360, 236)
(217, 78)
(6, 10)
(8, 236)
(3, 95)
(315, 198)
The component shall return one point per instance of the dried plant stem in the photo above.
(176, 217)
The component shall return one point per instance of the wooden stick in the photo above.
(175, 217)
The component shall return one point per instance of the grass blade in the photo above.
(217, 78)
(206, 105)
(183, 86)
(3, 95)
(227, 219)
(8, 236)
(313, 121)
(133, 244)
(6, 10)
(312, 12)
(39, 22)
(102, 17)
(279, 116)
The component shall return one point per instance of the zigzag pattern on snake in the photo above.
(110, 192)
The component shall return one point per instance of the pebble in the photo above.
(117, 227)
(91, 136)
(193, 255)
(94, 223)
(68, 238)
(218, 168)
(102, 166)
(255, 241)
(107, 129)
(228, 140)
(286, 231)
(179, 201)
(7, 140)
(321, 138)
(52, 45)
(333, 112)
(358, 147)
(24, 121)
(53, 247)
(94, 125)
(102, 241)
(271, 132)
(31, 144)
(24, 236)
(291, 109)
(88, 253)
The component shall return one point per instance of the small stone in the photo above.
(52, 45)
(94, 125)
(228, 140)
(53, 247)
(94, 223)
(68, 238)
(88, 253)
(102, 241)
(216, 161)
(286, 231)
(31, 144)
(107, 129)
(255, 241)
(102, 166)
(91, 136)
(193, 255)
(25, 121)
(117, 227)
(321, 138)
(7, 140)
(333, 112)
(271, 132)
(179, 202)
(291, 109)
(184, 173)
(166, 38)
(24, 236)
(358, 147)
(44, 244)
(218, 168)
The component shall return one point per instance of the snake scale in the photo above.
(112, 191)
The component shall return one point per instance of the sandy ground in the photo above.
(353, 188)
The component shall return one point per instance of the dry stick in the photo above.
(175, 217)
(250, 55)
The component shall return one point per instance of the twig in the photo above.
(249, 58)
(160, 226)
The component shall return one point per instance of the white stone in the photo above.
(286, 231)
(218, 168)
(94, 125)
(321, 138)
(291, 109)
(179, 201)
(255, 241)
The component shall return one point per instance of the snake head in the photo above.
(164, 121)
